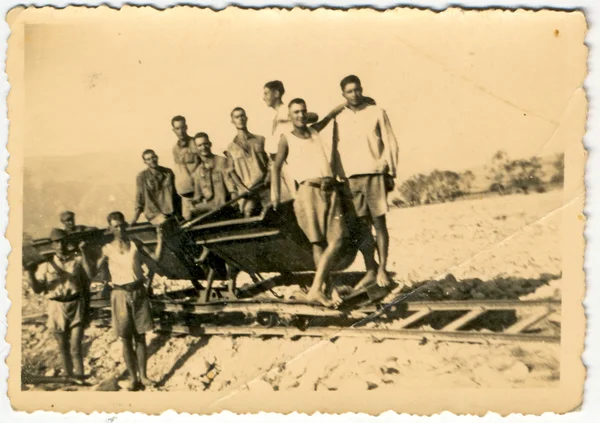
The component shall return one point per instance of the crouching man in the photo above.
(130, 305)
(63, 281)
(317, 203)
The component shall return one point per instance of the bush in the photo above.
(559, 168)
(437, 187)
(525, 174)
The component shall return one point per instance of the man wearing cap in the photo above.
(62, 280)
(67, 218)
(247, 156)
(130, 305)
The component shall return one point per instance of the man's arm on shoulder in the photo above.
(319, 126)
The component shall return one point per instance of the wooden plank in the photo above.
(413, 318)
(463, 320)
(524, 324)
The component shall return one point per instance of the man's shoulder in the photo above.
(165, 170)
(220, 159)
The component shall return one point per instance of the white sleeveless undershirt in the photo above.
(307, 158)
(124, 267)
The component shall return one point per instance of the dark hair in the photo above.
(202, 135)
(276, 86)
(350, 79)
(148, 151)
(177, 118)
(67, 214)
(237, 109)
(116, 215)
(297, 101)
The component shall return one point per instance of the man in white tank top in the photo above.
(130, 305)
(317, 204)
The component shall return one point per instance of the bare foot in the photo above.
(319, 297)
(383, 279)
(148, 382)
(369, 278)
(336, 299)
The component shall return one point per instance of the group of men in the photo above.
(339, 187)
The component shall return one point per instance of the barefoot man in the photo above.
(62, 280)
(367, 156)
(130, 306)
(317, 204)
(273, 92)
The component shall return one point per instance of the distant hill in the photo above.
(93, 185)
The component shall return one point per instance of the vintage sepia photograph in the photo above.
(296, 210)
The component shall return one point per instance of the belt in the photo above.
(129, 287)
(328, 187)
(67, 298)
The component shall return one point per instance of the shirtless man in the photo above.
(130, 306)
(317, 204)
(247, 156)
(367, 155)
(63, 281)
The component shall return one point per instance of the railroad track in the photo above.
(456, 321)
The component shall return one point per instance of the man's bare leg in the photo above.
(131, 363)
(76, 355)
(141, 353)
(383, 240)
(323, 268)
(367, 249)
(62, 339)
(249, 207)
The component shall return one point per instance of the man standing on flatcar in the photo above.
(185, 157)
(367, 155)
(273, 92)
(317, 205)
(247, 156)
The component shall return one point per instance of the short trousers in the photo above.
(319, 214)
(369, 195)
(131, 312)
(64, 316)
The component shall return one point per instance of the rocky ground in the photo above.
(498, 247)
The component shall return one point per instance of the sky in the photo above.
(457, 86)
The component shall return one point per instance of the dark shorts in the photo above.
(369, 195)
(319, 214)
(131, 312)
(64, 316)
